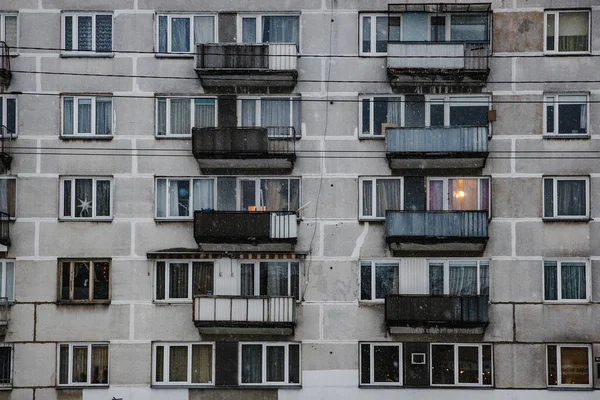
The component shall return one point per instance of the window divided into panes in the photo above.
(269, 364)
(566, 114)
(86, 198)
(567, 31)
(176, 116)
(84, 281)
(87, 116)
(458, 194)
(278, 29)
(9, 33)
(183, 364)
(569, 365)
(459, 277)
(182, 280)
(82, 364)
(178, 33)
(280, 115)
(381, 364)
(8, 115)
(566, 280)
(566, 197)
(87, 32)
(378, 279)
(461, 364)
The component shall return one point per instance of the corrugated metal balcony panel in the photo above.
(5, 71)
(429, 310)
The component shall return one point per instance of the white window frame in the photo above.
(190, 264)
(89, 364)
(374, 179)
(4, 283)
(76, 134)
(259, 31)
(448, 101)
(456, 363)
(447, 193)
(94, 179)
(192, 32)
(555, 215)
(446, 262)
(372, 100)
(91, 262)
(588, 280)
(558, 366)
(258, 109)
(258, 200)
(191, 196)
(13, 50)
(166, 364)
(446, 27)
(553, 99)
(556, 14)
(373, 34)
(374, 264)
(256, 264)
(4, 100)
(192, 100)
(75, 27)
(264, 345)
(372, 363)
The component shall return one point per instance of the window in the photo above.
(6, 360)
(378, 278)
(461, 364)
(280, 115)
(269, 29)
(379, 195)
(566, 114)
(8, 196)
(459, 278)
(82, 364)
(567, 32)
(457, 111)
(566, 280)
(569, 365)
(178, 198)
(566, 198)
(86, 198)
(458, 194)
(182, 280)
(84, 281)
(381, 364)
(183, 364)
(8, 114)
(7, 285)
(270, 278)
(9, 31)
(376, 31)
(87, 116)
(175, 116)
(471, 27)
(270, 364)
(179, 33)
(380, 113)
(87, 32)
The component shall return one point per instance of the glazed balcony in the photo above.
(275, 315)
(435, 148)
(439, 232)
(222, 66)
(5, 71)
(5, 153)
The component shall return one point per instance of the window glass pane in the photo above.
(204, 29)
(295, 280)
(442, 364)
(102, 198)
(573, 281)
(548, 198)
(463, 194)
(5, 365)
(10, 280)
(366, 34)
(436, 279)
(178, 363)
(550, 280)
(572, 114)
(274, 194)
(365, 281)
(365, 363)
(438, 28)
(161, 197)
(280, 29)
(386, 112)
(80, 366)
(414, 111)
(84, 116)
(179, 193)
(202, 278)
(181, 116)
(84, 33)
(381, 32)
(180, 34)
(247, 279)
(367, 199)
(67, 198)
(11, 115)
(178, 280)
(386, 280)
(161, 116)
(103, 33)
(162, 34)
(275, 116)
(484, 194)
(204, 194)
(394, 29)
(103, 116)
(549, 115)
(436, 114)
(386, 361)
(469, 111)
(101, 280)
(248, 189)
(160, 359)
(160, 280)
(68, 33)
(294, 362)
(552, 366)
(274, 278)
(99, 364)
(275, 363)
(436, 195)
(468, 364)
(81, 281)
(469, 27)
(63, 368)
(463, 278)
(574, 366)
(204, 113)
(10, 31)
(65, 281)
(68, 116)
(389, 195)
(201, 363)
(294, 195)
(249, 30)
(571, 197)
(484, 280)
(573, 30)
(550, 21)
(252, 363)
(366, 116)
(486, 368)
(248, 113)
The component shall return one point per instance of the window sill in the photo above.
(371, 302)
(552, 220)
(371, 137)
(172, 303)
(86, 55)
(173, 137)
(82, 303)
(567, 388)
(86, 137)
(568, 54)
(566, 136)
(63, 219)
(186, 219)
(566, 302)
(177, 55)
(75, 387)
(371, 219)
(182, 386)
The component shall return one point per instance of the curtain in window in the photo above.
(162, 34)
(571, 197)
(484, 279)
(101, 276)
(436, 279)
(275, 115)
(161, 197)
(161, 117)
(179, 192)
(463, 194)
(248, 113)
(84, 116)
(204, 194)
(204, 113)
(247, 280)
(204, 29)
(389, 192)
(249, 30)
(436, 195)
(583, 118)
(84, 33)
(386, 280)
(202, 279)
(201, 363)
(10, 279)
(104, 33)
(63, 368)
(103, 116)
(180, 117)
(394, 107)
(178, 280)
(484, 194)
(367, 198)
(294, 195)
(274, 194)
(280, 29)
(463, 278)
(573, 31)
(178, 363)
(574, 365)
(160, 280)
(99, 364)
(573, 281)
(180, 34)
(80, 370)
(83, 198)
(550, 280)
(275, 364)
(274, 278)
(10, 30)
(252, 363)
(102, 198)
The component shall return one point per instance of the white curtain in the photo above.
(389, 195)
(463, 278)
(84, 33)
(68, 116)
(10, 30)
(103, 116)
(204, 194)
(280, 29)
(275, 115)
(248, 113)
(161, 119)
(393, 110)
(180, 34)
(180, 116)
(84, 115)
(204, 113)
(204, 29)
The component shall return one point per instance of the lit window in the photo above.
(87, 32)
(86, 198)
(569, 365)
(566, 198)
(567, 31)
(82, 364)
(459, 194)
(179, 33)
(183, 364)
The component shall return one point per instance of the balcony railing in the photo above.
(429, 310)
(437, 147)
(439, 56)
(244, 311)
(4, 229)
(4, 319)
(5, 71)
(245, 227)
(237, 142)
(437, 230)
(5, 153)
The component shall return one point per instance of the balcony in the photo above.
(5, 153)
(245, 314)
(239, 149)
(437, 148)
(439, 232)
(4, 318)
(4, 231)
(5, 72)
(239, 67)
(408, 313)
(245, 227)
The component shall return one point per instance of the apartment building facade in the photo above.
(299, 199)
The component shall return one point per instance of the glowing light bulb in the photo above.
(460, 194)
